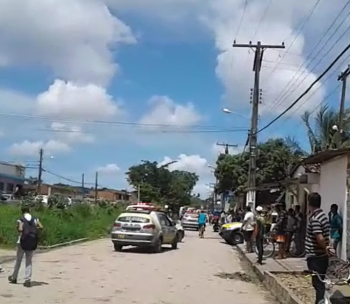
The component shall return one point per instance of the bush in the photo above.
(60, 225)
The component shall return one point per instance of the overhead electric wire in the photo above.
(308, 89)
(116, 123)
(298, 33)
(340, 65)
(65, 178)
(278, 100)
(242, 18)
(262, 18)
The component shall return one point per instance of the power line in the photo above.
(242, 18)
(307, 90)
(262, 18)
(65, 178)
(105, 122)
(298, 33)
(278, 100)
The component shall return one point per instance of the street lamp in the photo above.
(228, 111)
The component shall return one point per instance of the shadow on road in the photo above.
(139, 250)
(37, 283)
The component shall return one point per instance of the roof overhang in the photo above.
(326, 155)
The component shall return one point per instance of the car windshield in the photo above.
(133, 219)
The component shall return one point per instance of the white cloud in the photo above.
(109, 169)
(71, 37)
(71, 134)
(191, 163)
(196, 164)
(31, 148)
(72, 101)
(281, 22)
(164, 111)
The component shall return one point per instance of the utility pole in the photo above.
(227, 146)
(40, 172)
(253, 139)
(138, 193)
(96, 187)
(83, 185)
(343, 77)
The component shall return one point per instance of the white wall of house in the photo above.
(333, 191)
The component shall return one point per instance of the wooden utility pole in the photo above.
(227, 146)
(40, 172)
(343, 77)
(83, 185)
(253, 139)
(96, 187)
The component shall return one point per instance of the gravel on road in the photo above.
(199, 271)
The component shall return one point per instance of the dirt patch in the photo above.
(239, 275)
(300, 285)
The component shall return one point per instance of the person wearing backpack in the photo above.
(28, 228)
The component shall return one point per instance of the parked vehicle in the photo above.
(231, 233)
(190, 221)
(43, 198)
(144, 228)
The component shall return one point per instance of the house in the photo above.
(111, 194)
(66, 191)
(334, 185)
(12, 176)
(305, 178)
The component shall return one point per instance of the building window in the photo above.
(2, 186)
(10, 188)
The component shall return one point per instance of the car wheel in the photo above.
(174, 243)
(118, 247)
(237, 238)
(157, 247)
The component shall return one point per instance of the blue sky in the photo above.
(86, 94)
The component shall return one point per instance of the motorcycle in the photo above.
(216, 227)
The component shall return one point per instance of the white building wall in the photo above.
(332, 189)
(11, 169)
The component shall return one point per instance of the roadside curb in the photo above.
(283, 294)
(44, 249)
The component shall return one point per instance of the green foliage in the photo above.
(60, 224)
(276, 158)
(159, 185)
(321, 134)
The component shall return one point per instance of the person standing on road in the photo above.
(248, 229)
(336, 223)
(259, 234)
(317, 243)
(280, 227)
(202, 220)
(27, 227)
(290, 230)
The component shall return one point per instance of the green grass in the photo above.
(79, 221)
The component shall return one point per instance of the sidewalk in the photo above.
(284, 278)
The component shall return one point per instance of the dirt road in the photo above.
(94, 273)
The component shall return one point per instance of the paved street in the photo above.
(94, 273)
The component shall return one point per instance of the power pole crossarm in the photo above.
(253, 140)
(226, 146)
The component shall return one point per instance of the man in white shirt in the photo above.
(248, 228)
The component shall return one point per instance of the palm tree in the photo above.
(325, 135)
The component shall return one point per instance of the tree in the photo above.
(275, 161)
(321, 134)
(158, 184)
